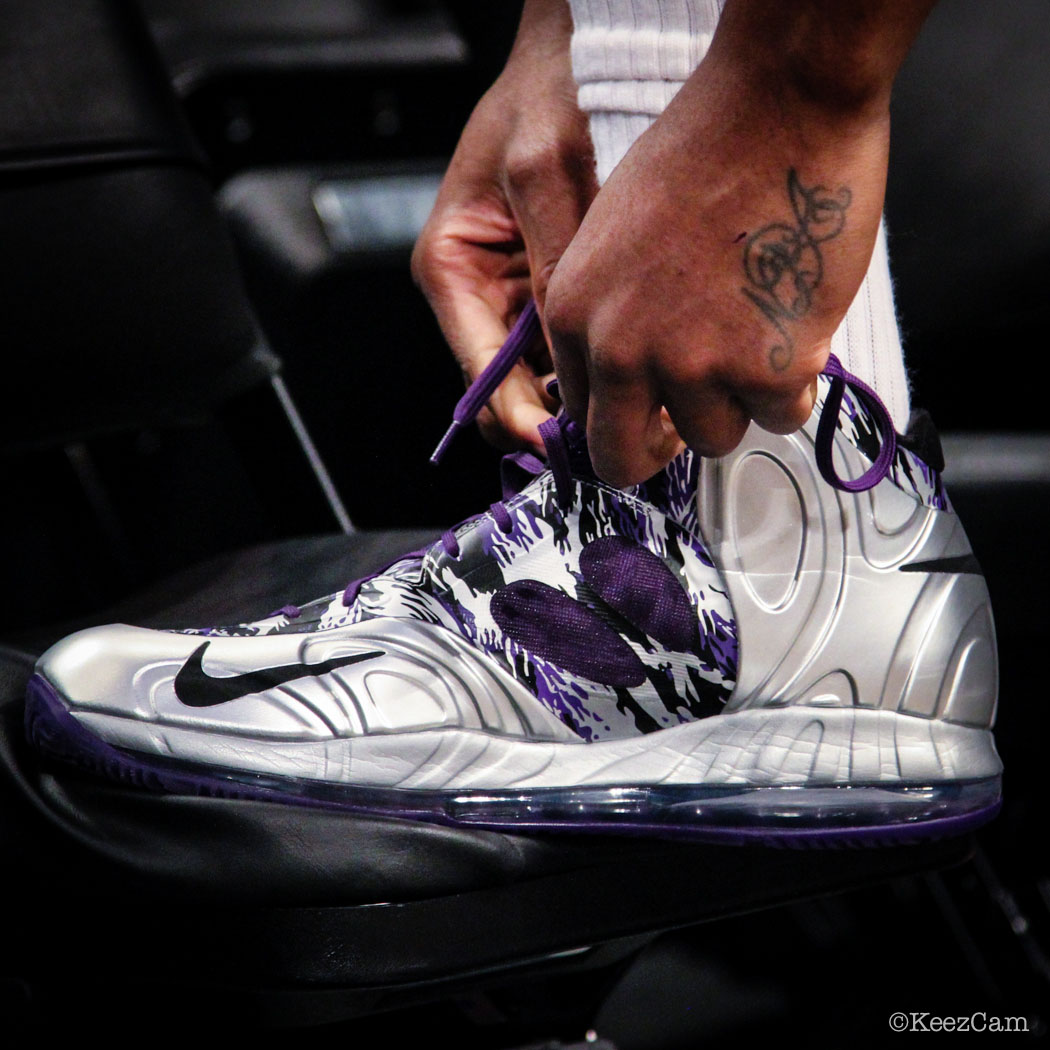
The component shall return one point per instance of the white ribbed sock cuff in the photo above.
(629, 58)
(868, 341)
(638, 40)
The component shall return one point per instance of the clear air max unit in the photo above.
(792, 644)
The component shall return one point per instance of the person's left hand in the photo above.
(515, 191)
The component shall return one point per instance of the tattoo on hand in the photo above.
(783, 263)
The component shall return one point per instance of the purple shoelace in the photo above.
(524, 332)
(520, 467)
(473, 401)
(825, 440)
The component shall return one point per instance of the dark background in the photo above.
(281, 96)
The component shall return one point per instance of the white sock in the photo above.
(629, 58)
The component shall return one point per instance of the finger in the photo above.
(475, 331)
(546, 386)
(470, 263)
(497, 435)
(550, 186)
(709, 421)
(783, 413)
(520, 409)
(475, 288)
(628, 435)
(570, 365)
(784, 403)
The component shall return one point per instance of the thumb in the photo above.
(548, 209)
(476, 331)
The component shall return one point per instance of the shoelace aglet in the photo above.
(525, 330)
(443, 444)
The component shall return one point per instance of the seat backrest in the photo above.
(123, 305)
(123, 310)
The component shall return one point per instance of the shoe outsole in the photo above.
(689, 812)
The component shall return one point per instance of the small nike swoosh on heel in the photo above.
(961, 563)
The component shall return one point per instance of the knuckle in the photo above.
(614, 362)
(712, 426)
(543, 154)
(529, 163)
(784, 414)
(757, 383)
(559, 313)
(690, 370)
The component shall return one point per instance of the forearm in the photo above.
(836, 56)
(792, 84)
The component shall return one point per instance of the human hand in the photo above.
(514, 194)
(704, 285)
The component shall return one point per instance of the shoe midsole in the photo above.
(753, 748)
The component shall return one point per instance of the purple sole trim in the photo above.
(840, 817)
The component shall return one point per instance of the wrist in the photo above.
(545, 29)
(836, 61)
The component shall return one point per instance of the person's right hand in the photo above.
(515, 192)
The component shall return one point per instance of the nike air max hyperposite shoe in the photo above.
(791, 644)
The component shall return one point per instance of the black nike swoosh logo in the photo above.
(196, 688)
(961, 563)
